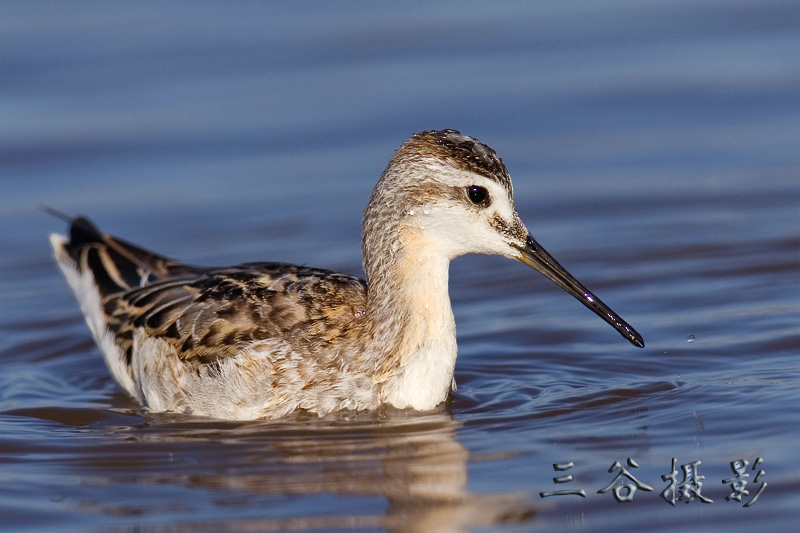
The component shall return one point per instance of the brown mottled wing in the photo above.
(209, 315)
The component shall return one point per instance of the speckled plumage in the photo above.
(261, 340)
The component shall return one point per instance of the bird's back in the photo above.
(267, 337)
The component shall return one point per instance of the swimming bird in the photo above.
(262, 340)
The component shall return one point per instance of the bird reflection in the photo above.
(413, 461)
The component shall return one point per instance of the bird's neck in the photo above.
(411, 317)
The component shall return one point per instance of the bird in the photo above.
(265, 340)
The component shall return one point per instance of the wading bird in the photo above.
(261, 340)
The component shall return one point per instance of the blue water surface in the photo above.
(654, 152)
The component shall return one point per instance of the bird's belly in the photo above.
(425, 380)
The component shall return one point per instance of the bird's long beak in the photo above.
(533, 255)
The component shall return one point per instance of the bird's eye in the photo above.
(478, 195)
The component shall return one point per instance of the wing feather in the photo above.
(209, 314)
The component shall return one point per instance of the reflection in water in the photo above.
(414, 462)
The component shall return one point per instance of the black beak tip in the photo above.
(635, 338)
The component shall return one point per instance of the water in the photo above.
(653, 148)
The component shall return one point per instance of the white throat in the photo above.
(425, 345)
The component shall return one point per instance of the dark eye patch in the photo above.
(478, 195)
